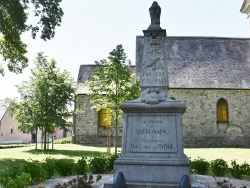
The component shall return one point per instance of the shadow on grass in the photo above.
(70, 153)
(4, 163)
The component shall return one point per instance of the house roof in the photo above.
(205, 62)
(3, 109)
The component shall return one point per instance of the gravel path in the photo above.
(202, 181)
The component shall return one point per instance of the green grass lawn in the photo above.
(74, 151)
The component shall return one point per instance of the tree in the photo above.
(44, 99)
(13, 23)
(112, 84)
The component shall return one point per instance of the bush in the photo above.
(36, 171)
(81, 166)
(110, 164)
(98, 164)
(236, 170)
(50, 166)
(218, 167)
(67, 140)
(13, 177)
(65, 167)
(199, 166)
(245, 168)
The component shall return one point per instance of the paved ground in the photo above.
(202, 181)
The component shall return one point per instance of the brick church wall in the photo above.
(200, 127)
(86, 129)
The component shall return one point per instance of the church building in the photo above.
(211, 75)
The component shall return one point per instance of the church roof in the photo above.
(85, 72)
(205, 62)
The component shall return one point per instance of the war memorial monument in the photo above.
(152, 146)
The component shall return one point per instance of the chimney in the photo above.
(245, 8)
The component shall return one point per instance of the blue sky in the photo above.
(91, 29)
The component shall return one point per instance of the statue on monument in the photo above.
(155, 13)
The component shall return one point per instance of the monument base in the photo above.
(157, 170)
(193, 180)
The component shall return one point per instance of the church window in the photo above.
(222, 111)
(104, 118)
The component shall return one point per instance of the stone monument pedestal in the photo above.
(152, 150)
(152, 147)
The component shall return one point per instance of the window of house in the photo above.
(222, 111)
(11, 131)
(104, 118)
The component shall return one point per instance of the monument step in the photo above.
(194, 184)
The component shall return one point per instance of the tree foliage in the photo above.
(13, 23)
(113, 83)
(45, 98)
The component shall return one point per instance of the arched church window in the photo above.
(222, 111)
(104, 118)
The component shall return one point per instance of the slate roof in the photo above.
(85, 72)
(205, 62)
(3, 109)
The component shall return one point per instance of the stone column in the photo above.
(152, 146)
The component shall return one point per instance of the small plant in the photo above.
(225, 184)
(199, 166)
(79, 182)
(218, 167)
(236, 170)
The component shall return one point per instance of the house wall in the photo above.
(8, 123)
(200, 127)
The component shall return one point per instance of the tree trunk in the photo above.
(108, 140)
(36, 138)
(116, 131)
(42, 139)
(52, 142)
(45, 139)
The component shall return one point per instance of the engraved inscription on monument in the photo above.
(154, 70)
(157, 135)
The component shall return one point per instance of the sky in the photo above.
(91, 29)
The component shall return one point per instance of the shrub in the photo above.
(20, 181)
(199, 166)
(81, 166)
(65, 167)
(110, 164)
(218, 167)
(98, 164)
(245, 168)
(236, 170)
(67, 140)
(50, 166)
(36, 171)
(13, 177)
